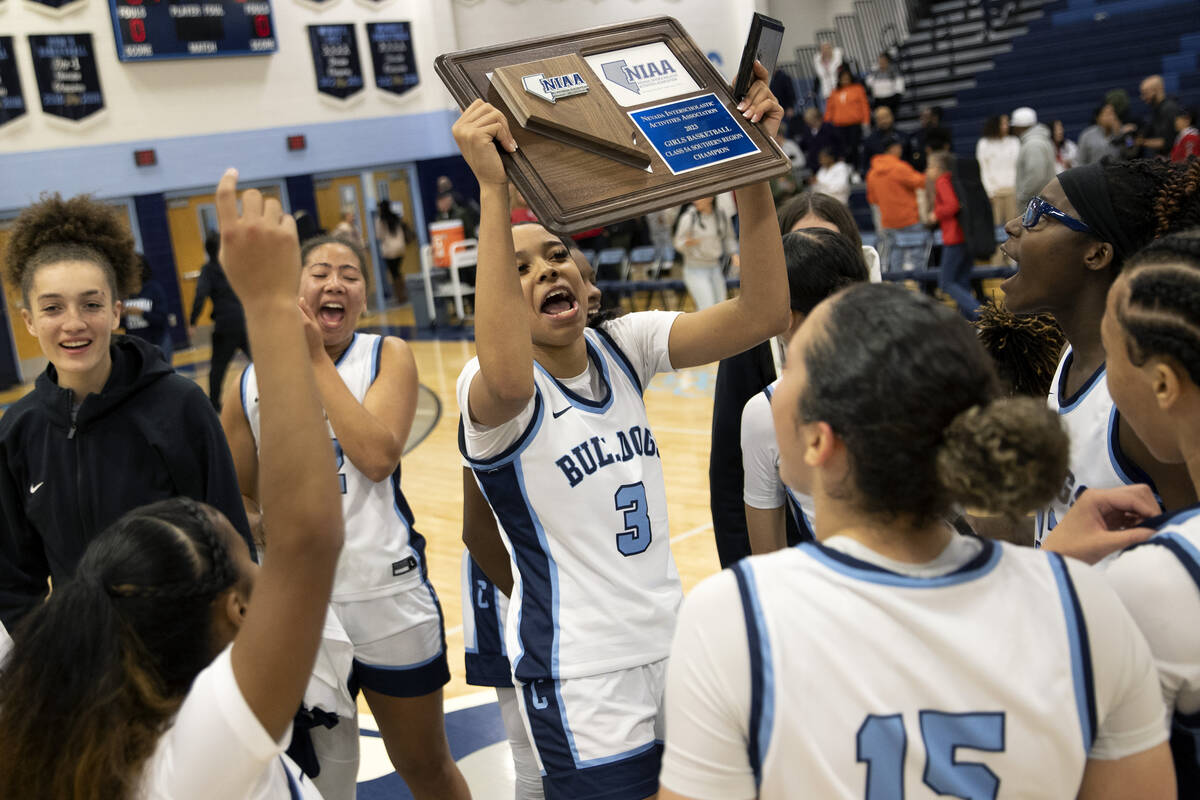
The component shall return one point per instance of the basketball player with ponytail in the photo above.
(866, 663)
(172, 666)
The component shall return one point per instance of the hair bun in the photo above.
(1008, 457)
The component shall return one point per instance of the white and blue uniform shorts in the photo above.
(399, 642)
(598, 737)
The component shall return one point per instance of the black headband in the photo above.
(1087, 189)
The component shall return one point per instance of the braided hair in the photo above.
(1161, 310)
(1153, 197)
(1024, 348)
(99, 669)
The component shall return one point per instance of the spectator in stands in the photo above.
(1158, 129)
(833, 178)
(705, 237)
(826, 63)
(447, 208)
(849, 112)
(892, 185)
(1187, 138)
(1100, 138)
(931, 120)
(815, 135)
(885, 130)
(393, 234)
(1065, 151)
(954, 272)
(1035, 158)
(996, 151)
(886, 84)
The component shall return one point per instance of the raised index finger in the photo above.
(227, 198)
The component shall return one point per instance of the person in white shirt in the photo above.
(826, 62)
(996, 152)
(554, 427)
(705, 237)
(833, 177)
(172, 666)
(886, 83)
(879, 661)
(1153, 356)
(820, 262)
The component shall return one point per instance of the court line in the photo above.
(454, 630)
(693, 532)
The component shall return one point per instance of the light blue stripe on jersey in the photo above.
(1081, 654)
(1083, 391)
(512, 453)
(346, 352)
(1120, 464)
(245, 380)
(1182, 548)
(762, 676)
(852, 567)
(554, 591)
(375, 355)
(620, 358)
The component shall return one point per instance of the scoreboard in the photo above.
(156, 29)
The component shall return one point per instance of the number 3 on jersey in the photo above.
(882, 744)
(631, 499)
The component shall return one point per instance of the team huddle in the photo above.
(222, 588)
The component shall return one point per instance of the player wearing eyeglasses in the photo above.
(1069, 246)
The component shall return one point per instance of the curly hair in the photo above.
(917, 405)
(1161, 310)
(1153, 197)
(1024, 348)
(81, 228)
(99, 669)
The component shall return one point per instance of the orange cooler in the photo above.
(443, 235)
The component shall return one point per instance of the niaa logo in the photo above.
(552, 88)
(628, 77)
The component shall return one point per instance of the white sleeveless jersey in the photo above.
(581, 504)
(382, 554)
(1096, 462)
(870, 683)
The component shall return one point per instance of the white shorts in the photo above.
(598, 736)
(399, 642)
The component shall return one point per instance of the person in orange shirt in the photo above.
(892, 186)
(848, 111)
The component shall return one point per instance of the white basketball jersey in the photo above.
(1090, 419)
(918, 695)
(382, 554)
(580, 501)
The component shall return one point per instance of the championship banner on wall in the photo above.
(392, 56)
(67, 79)
(336, 60)
(12, 99)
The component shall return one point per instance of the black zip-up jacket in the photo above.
(149, 435)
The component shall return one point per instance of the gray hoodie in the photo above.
(1035, 164)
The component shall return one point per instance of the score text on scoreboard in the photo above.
(154, 29)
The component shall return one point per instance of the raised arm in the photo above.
(371, 433)
(503, 343)
(245, 456)
(760, 311)
(274, 651)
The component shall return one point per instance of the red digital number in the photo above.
(262, 26)
(133, 2)
(137, 30)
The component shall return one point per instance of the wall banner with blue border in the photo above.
(67, 78)
(12, 99)
(392, 56)
(336, 60)
(694, 133)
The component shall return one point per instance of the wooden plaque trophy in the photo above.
(614, 122)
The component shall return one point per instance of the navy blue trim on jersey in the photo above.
(762, 676)
(1177, 517)
(635, 774)
(1070, 402)
(1182, 549)
(412, 680)
(848, 565)
(578, 400)
(293, 788)
(1185, 752)
(618, 354)
(486, 661)
(514, 450)
(537, 618)
(807, 534)
(1126, 470)
(346, 352)
(769, 391)
(1081, 650)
